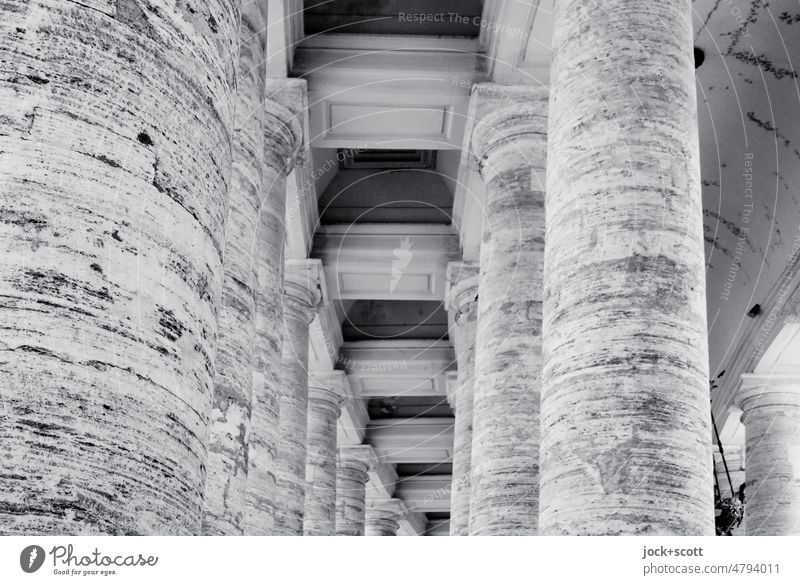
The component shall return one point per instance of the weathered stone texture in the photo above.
(301, 294)
(227, 465)
(263, 445)
(114, 167)
(283, 140)
(510, 142)
(351, 481)
(383, 517)
(626, 443)
(462, 303)
(324, 408)
(771, 407)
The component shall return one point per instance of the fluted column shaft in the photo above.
(324, 408)
(510, 142)
(299, 298)
(463, 305)
(115, 165)
(382, 518)
(282, 139)
(351, 481)
(625, 413)
(771, 415)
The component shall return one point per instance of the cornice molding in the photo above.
(778, 318)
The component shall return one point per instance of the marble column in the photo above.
(284, 136)
(509, 141)
(325, 396)
(266, 138)
(383, 517)
(351, 480)
(626, 429)
(301, 294)
(462, 304)
(771, 415)
(115, 166)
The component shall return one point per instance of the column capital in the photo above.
(304, 282)
(357, 467)
(764, 390)
(383, 516)
(508, 121)
(461, 302)
(331, 389)
(286, 121)
(328, 398)
(364, 455)
(461, 293)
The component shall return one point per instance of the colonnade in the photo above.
(156, 339)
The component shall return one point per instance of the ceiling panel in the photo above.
(394, 17)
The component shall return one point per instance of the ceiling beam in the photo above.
(413, 98)
(412, 440)
(386, 261)
(425, 493)
(386, 368)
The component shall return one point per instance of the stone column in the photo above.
(266, 136)
(462, 304)
(301, 294)
(351, 480)
(383, 517)
(281, 151)
(115, 164)
(771, 414)
(325, 396)
(509, 141)
(626, 429)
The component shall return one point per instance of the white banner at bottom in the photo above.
(408, 561)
